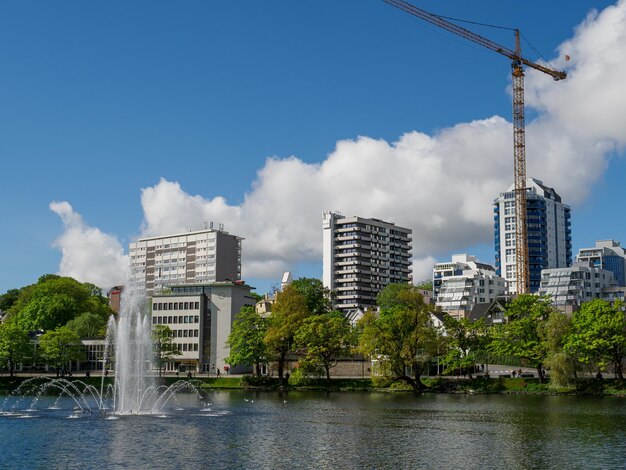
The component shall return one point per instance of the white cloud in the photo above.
(88, 255)
(442, 185)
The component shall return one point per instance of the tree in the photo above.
(425, 285)
(402, 337)
(317, 297)
(465, 339)
(88, 325)
(323, 339)
(54, 301)
(15, 346)
(8, 299)
(554, 333)
(521, 336)
(163, 347)
(246, 339)
(599, 334)
(59, 347)
(288, 313)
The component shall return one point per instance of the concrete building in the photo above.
(200, 317)
(607, 254)
(463, 282)
(581, 282)
(361, 256)
(204, 256)
(549, 233)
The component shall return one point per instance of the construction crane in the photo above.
(519, 146)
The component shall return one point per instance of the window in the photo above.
(197, 305)
(186, 305)
(196, 319)
(195, 333)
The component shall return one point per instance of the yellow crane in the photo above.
(519, 146)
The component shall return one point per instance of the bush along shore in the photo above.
(444, 385)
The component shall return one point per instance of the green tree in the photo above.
(562, 364)
(88, 325)
(59, 347)
(54, 301)
(246, 339)
(425, 285)
(8, 299)
(163, 347)
(15, 346)
(288, 313)
(465, 340)
(402, 337)
(599, 334)
(317, 297)
(521, 335)
(324, 339)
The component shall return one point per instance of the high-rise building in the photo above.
(607, 254)
(549, 232)
(362, 256)
(200, 257)
(460, 284)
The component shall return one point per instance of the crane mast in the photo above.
(518, 62)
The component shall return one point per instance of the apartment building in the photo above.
(361, 256)
(607, 254)
(204, 256)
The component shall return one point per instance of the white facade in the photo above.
(204, 256)
(361, 257)
(549, 233)
(463, 282)
(201, 317)
(607, 254)
(570, 287)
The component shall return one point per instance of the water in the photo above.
(240, 429)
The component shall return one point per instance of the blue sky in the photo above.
(99, 100)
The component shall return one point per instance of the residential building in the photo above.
(361, 256)
(200, 317)
(463, 282)
(607, 254)
(549, 233)
(204, 256)
(581, 282)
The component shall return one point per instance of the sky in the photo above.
(127, 119)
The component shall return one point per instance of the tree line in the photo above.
(56, 311)
(406, 335)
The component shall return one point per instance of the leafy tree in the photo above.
(425, 285)
(465, 339)
(317, 297)
(15, 345)
(521, 335)
(256, 297)
(88, 325)
(163, 347)
(60, 346)
(599, 334)
(562, 364)
(403, 336)
(323, 339)
(246, 339)
(288, 313)
(54, 301)
(8, 299)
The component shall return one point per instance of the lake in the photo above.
(345, 430)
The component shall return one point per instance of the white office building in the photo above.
(463, 282)
(362, 256)
(204, 256)
(200, 317)
(581, 282)
(549, 233)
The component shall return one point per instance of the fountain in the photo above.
(134, 390)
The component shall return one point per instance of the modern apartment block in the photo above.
(200, 317)
(581, 282)
(204, 256)
(361, 256)
(609, 255)
(460, 284)
(549, 233)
